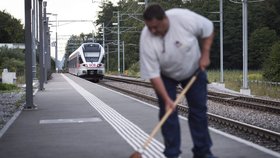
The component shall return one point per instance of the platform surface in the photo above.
(80, 119)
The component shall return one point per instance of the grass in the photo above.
(256, 83)
(233, 81)
(4, 87)
(21, 101)
(21, 79)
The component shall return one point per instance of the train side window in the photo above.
(80, 60)
(103, 59)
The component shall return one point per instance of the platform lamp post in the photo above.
(46, 41)
(28, 57)
(34, 32)
(42, 52)
(56, 43)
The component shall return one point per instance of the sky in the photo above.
(65, 10)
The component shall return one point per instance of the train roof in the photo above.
(91, 47)
(88, 47)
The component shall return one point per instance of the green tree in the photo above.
(131, 24)
(271, 15)
(272, 64)
(261, 15)
(107, 16)
(260, 43)
(11, 29)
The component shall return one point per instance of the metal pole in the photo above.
(46, 29)
(37, 19)
(146, 3)
(41, 59)
(103, 30)
(221, 43)
(28, 57)
(119, 43)
(49, 48)
(33, 22)
(123, 57)
(56, 66)
(56, 43)
(92, 36)
(245, 48)
(108, 64)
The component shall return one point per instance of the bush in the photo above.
(260, 44)
(272, 64)
(12, 59)
(8, 87)
(134, 70)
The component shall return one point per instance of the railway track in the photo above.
(248, 102)
(227, 99)
(233, 100)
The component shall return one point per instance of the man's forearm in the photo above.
(206, 44)
(159, 87)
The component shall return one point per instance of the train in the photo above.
(87, 62)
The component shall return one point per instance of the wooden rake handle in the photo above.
(167, 114)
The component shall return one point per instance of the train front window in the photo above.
(91, 56)
(91, 52)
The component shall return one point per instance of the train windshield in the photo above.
(91, 52)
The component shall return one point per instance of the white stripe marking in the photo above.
(129, 131)
(256, 146)
(77, 120)
(9, 123)
(240, 140)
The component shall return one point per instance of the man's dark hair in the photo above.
(154, 11)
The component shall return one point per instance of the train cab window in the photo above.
(91, 56)
(91, 52)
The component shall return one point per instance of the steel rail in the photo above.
(228, 99)
(183, 110)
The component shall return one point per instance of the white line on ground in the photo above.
(128, 130)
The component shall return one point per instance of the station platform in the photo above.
(76, 118)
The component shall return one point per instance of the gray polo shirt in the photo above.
(177, 54)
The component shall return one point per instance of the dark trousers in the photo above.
(198, 121)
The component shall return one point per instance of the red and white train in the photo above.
(87, 62)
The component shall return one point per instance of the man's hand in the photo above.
(160, 89)
(204, 62)
(169, 104)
